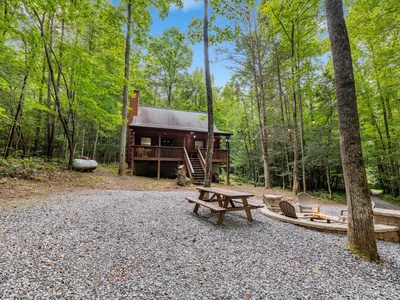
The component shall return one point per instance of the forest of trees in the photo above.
(62, 80)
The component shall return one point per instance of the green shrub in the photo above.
(25, 168)
(392, 199)
(338, 197)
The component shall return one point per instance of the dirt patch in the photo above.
(62, 181)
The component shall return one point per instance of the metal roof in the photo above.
(153, 117)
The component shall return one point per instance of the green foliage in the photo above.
(391, 198)
(191, 92)
(26, 168)
(219, 31)
(85, 42)
(87, 58)
(374, 42)
(167, 61)
(337, 197)
(3, 114)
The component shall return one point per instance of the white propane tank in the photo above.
(84, 164)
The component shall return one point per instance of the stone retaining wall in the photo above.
(388, 217)
(388, 230)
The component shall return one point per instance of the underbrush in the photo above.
(337, 197)
(28, 168)
(392, 199)
(112, 168)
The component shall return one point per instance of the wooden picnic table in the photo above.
(222, 201)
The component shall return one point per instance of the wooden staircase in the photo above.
(198, 176)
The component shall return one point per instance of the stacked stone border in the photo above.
(386, 223)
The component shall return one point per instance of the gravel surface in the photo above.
(380, 203)
(150, 245)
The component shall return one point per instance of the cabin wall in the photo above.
(170, 138)
(160, 138)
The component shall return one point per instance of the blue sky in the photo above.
(182, 19)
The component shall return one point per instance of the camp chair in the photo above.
(344, 213)
(140, 151)
(305, 202)
(270, 204)
(288, 210)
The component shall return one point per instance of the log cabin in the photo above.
(160, 140)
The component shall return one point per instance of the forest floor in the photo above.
(32, 181)
(45, 183)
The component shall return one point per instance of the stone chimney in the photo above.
(134, 106)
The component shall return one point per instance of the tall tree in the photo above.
(125, 94)
(254, 43)
(377, 71)
(83, 50)
(296, 24)
(168, 59)
(210, 112)
(137, 24)
(360, 237)
(192, 92)
(56, 72)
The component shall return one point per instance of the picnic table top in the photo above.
(225, 192)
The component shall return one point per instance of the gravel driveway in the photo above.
(149, 245)
(380, 203)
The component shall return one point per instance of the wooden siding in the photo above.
(168, 146)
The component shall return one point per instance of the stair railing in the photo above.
(202, 160)
(188, 164)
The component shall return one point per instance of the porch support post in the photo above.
(227, 162)
(132, 149)
(158, 156)
(227, 173)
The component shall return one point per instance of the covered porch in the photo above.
(151, 149)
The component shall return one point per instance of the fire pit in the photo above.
(317, 215)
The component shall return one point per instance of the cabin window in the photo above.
(198, 144)
(145, 141)
(166, 142)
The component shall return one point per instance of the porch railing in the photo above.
(219, 155)
(174, 153)
(156, 152)
(202, 160)
(188, 164)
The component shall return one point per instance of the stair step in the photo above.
(198, 176)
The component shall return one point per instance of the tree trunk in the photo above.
(122, 145)
(83, 144)
(51, 122)
(17, 118)
(95, 144)
(294, 114)
(155, 95)
(282, 112)
(210, 139)
(169, 95)
(360, 235)
(261, 107)
(303, 156)
(328, 180)
(69, 134)
(262, 115)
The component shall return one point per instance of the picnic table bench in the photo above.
(222, 201)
